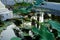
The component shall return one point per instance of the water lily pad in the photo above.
(55, 25)
(15, 38)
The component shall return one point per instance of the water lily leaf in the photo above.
(21, 10)
(35, 30)
(55, 25)
(15, 38)
(38, 2)
(44, 33)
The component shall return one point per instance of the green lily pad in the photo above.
(21, 11)
(55, 25)
(44, 33)
(35, 30)
(15, 38)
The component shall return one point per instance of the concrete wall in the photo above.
(12, 2)
(8, 2)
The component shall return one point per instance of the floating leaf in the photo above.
(44, 33)
(55, 25)
(15, 38)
